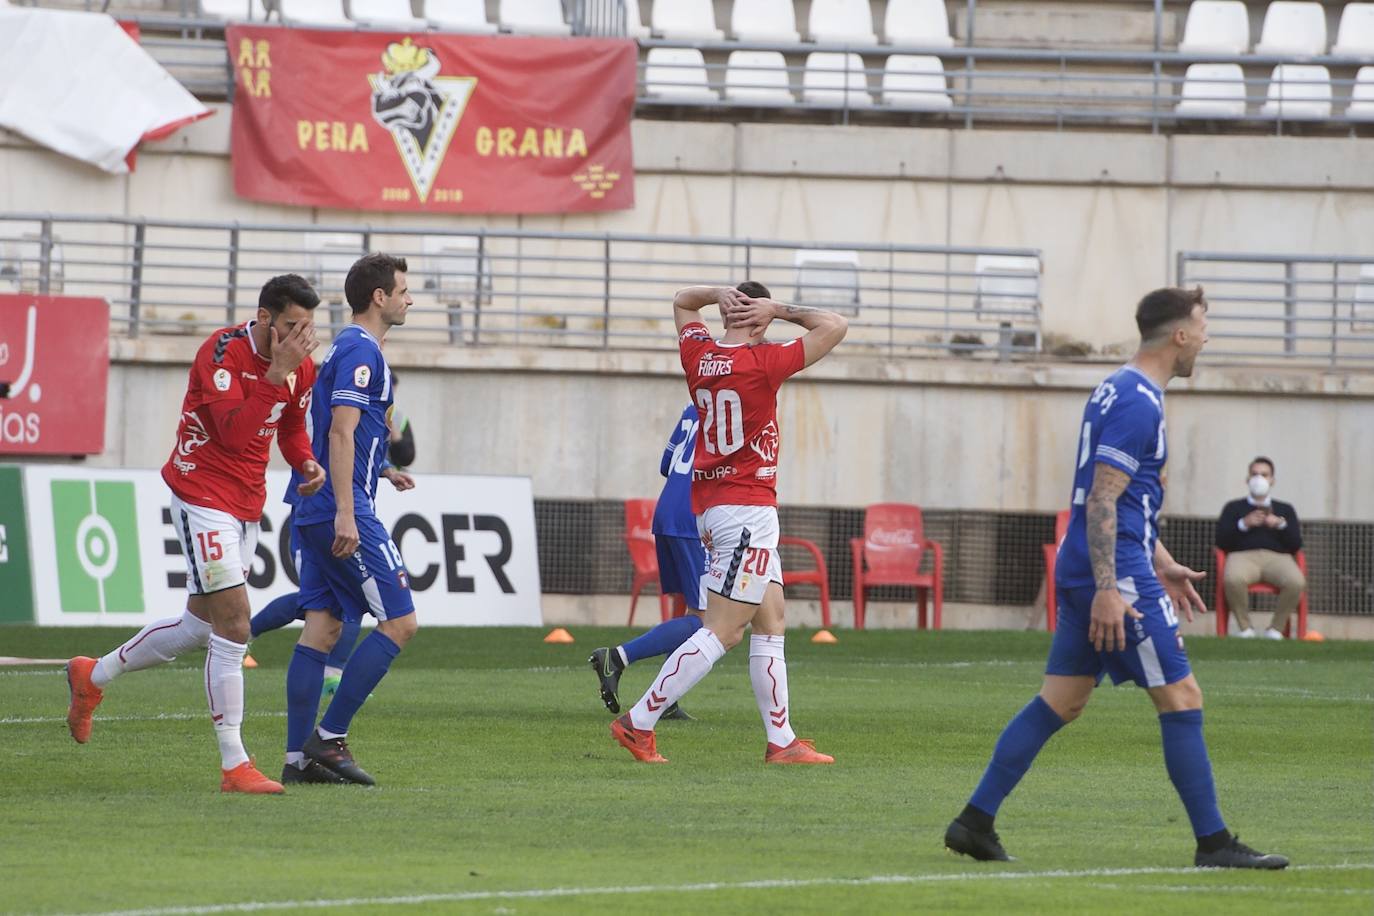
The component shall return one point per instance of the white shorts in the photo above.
(742, 551)
(218, 547)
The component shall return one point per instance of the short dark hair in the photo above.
(754, 290)
(1260, 459)
(279, 292)
(371, 272)
(1163, 307)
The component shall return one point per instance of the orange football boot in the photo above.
(246, 778)
(85, 697)
(637, 741)
(802, 750)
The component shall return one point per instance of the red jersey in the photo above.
(735, 389)
(228, 419)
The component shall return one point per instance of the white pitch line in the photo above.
(766, 884)
(160, 717)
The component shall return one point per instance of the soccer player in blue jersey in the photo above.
(681, 565)
(349, 565)
(1117, 589)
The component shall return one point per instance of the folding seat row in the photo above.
(1223, 27)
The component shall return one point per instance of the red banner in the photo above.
(54, 367)
(432, 123)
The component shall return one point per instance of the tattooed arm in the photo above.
(823, 329)
(1107, 627)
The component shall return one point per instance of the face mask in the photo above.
(1259, 487)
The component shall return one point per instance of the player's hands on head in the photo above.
(727, 297)
(399, 479)
(290, 351)
(753, 314)
(314, 476)
(1107, 623)
(1178, 580)
(345, 536)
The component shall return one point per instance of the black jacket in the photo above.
(1285, 540)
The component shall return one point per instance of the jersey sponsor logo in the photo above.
(765, 444)
(249, 376)
(361, 376)
(767, 473)
(719, 473)
(713, 365)
(223, 379)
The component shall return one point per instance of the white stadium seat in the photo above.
(690, 20)
(1362, 96)
(847, 21)
(1213, 91)
(833, 78)
(1216, 27)
(915, 81)
(1006, 282)
(1293, 28)
(634, 25)
(534, 17)
(678, 74)
(1355, 36)
(758, 76)
(234, 10)
(391, 14)
(764, 20)
(460, 16)
(1362, 305)
(313, 12)
(1299, 92)
(827, 278)
(921, 23)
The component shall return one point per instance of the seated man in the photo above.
(1260, 536)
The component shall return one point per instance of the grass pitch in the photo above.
(501, 791)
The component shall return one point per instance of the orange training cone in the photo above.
(249, 661)
(558, 635)
(824, 636)
(1313, 636)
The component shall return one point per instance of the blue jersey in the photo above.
(673, 514)
(353, 374)
(1123, 427)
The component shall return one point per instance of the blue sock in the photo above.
(364, 671)
(278, 613)
(1185, 757)
(1021, 740)
(348, 638)
(304, 681)
(662, 639)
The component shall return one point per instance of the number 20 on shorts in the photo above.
(756, 561)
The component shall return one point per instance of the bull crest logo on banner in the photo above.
(419, 108)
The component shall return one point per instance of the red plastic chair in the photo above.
(1061, 528)
(890, 553)
(819, 577)
(639, 538)
(1223, 612)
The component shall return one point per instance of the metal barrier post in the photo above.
(606, 295)
(45, 257)
(1290, 307)
(136, 278)
(968, 67)
(231, 302)
(477, 299)
(1335, 307)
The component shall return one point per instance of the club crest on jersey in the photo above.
(765, 444)
(713, 365)
(223, 379)
(361, 376)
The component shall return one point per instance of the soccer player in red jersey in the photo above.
(734, 382)
(248, 384)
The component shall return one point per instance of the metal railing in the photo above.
(1301, 308)
(506, 287)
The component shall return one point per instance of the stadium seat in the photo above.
(313, 12)
(819, 576)
(841, 21)
(890, 553)
(1212, 91)
(460, 16)
(1006, 284)
(639, 539)
(1293, 28)
(764, 20)
(759, 77)
(533, 17)
(827, 278)
(915, 81)
(1223, 613)
(921, 23)
(1299, 92)
(1362, 304)
(1355, 35)
(1051, 551)
(1361, 105)
(688, 20)
(678, 74)
(634, 25)
(234, 10)
(390, 14)
(1216, 27)
(451, 268)
(835, 79)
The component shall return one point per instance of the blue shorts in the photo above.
(1153, 656)
(372, 581)
(681, 565)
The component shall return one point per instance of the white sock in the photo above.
(295, 759)
(156, 644)
(330, 671)
(620, 653)
(224, 691)
(768, 673)
(329, 736)
(690, 663)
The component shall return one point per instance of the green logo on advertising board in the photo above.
(95, 525)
